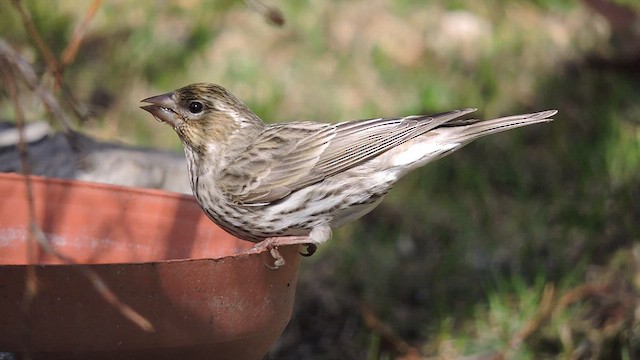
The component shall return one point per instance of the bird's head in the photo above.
(202, 114)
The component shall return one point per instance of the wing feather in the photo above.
(287, 157)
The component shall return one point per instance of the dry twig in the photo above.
(70, 52)
(22, 67)
(272, 14)
(31, 283)
(45, 50)
(406, 351)
(53, 66)
(545, 309)
(542, 314)
(36, 235)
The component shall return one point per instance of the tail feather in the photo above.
(469, 132)
(452, 136)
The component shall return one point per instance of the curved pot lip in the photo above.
(96, 185)
(17, 177)
(212, 260)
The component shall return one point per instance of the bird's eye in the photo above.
(195, 107)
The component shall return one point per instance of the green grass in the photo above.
(457, 258)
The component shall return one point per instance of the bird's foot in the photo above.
(317, 235)
(310, 250)
(271, 244)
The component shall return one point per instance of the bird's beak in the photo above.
(162, 108)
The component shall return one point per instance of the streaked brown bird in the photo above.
(291, 183)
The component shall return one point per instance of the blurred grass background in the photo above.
(520, 246)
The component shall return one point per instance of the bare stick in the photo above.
(52, 63)
(70, 52)
(383, 330)
(29, 78)
(31, 281)
(272, 14)
(37, 235)
(49, 58)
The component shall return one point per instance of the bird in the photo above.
(291, 183)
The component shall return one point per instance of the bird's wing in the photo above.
(287, 157)
(279, 161)
(358, 141)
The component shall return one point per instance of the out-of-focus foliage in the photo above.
(457, 259)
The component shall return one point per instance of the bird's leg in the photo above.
(271, 244)
(318, 235)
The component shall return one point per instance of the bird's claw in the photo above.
(272, 244)
(278, 260)
(309, 250)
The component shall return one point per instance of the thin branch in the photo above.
(383, 330)
(579, 293)
(31, 281)
(98, 284)
(272, 14)
(542, 314)
(29, 78)
(53, 66)
(49, 58)
(37, 235)
(70, 52)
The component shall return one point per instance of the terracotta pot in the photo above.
(158, 253)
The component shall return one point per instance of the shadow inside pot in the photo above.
(158, 253)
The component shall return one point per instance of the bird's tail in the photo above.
(467, 132)
(453, 135)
